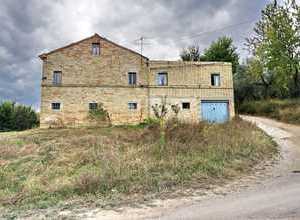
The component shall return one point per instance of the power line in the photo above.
(186, 37)
(141, 41)
(219, 29)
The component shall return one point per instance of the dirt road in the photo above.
(276, 197)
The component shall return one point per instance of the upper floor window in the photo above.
(93, 106)
(95, 49)
(162, 79)
(57, 75)
(215, 79)
(55, 106)
(132, 78)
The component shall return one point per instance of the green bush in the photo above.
(17, 117)
(286, 110)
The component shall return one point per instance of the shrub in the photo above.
(100, 114)
(17, 117)
(284, 110)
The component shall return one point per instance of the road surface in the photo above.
(277, 197)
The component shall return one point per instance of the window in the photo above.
(132, 105)
(215, 79)
(132, 78)
(162, 79)
(55, 106)
(93, 106)
(95, 49)
(57, 75)
(185, 105)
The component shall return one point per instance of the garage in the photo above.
(214, 111)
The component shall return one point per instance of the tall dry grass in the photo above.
(48, 166)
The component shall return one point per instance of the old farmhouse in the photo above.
(95, 71)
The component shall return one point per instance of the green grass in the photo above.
(40, 168)
(287, 110)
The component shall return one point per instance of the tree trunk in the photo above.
(296, 92)
(266, 86)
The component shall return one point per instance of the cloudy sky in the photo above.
(31, 27)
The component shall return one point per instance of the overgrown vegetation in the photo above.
(99, 115)
(273, 69)
(15, 117)
(221, 50)
(38, 168)
(283, 110)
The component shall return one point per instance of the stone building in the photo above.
(96, 71)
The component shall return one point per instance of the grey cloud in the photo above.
(32, 26)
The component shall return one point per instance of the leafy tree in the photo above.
(222, 50)
(275, 44)
(6, 116)
(24, 117)
(192, 53)
(17, 117)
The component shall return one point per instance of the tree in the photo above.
(6, 116)
(222, 50)
(192, 53)
(17, 117)
(275, 43)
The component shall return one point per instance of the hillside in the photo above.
(40, 168)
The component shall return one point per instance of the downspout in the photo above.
(148, 88)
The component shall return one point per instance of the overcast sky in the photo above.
(31, 27)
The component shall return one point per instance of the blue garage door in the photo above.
(214, 111)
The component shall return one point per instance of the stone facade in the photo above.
(103, 78)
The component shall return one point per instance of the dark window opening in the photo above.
(185, 105)
(132, 78)
(93, 106)
(132, 105)
(57, 77)
(95, 49)
(162, 79)
(215, 79)
(55, 106)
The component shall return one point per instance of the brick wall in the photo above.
(104, 79)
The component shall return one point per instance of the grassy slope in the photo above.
(287, 110)
(38, 168)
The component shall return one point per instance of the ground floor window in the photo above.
(132, 105)
(55, 106)
(93, 106)
(185, 105)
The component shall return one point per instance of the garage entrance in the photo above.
(214, 111)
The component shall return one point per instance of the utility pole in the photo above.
(142, 47)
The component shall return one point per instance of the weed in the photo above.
(58, 164)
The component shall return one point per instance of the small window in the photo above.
(93, 106)
(55, 106)
(185, 105)
(162, 79)
(132, 78)
(95, 49)
(57, 75)
(215, 79)
(132, 105)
